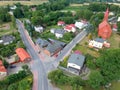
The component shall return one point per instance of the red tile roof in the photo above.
(104, 30)
(69, 27)
(106, 15)
(22, 54)
(61, 22)
(2, 68)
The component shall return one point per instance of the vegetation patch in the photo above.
(19, 81)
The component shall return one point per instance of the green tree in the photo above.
(5, 63)
(95, 79)
(13, 86)
(13, 21)
(109, 66)
(118, 24)
(18, 13)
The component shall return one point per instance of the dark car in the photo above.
(12, 66)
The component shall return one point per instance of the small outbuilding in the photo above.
(23, 55)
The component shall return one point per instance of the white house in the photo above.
(80, 25)
(52, 30)
(39, 29)
(75, 62)
(98, 43)
(58, 32)
(118, 19)
(3, 71)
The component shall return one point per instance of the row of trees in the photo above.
(19, 81)
(4, 15)
(97, 7)
(59, 78)
(107, 69)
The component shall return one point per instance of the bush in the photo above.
(64, 62)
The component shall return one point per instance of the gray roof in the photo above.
(7, 38)
(60, 31)
(77, 59)
(99, 40)
(56, 41)
(42, 42)
(54, 46)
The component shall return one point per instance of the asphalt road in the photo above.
(66, 51)
(37, 65)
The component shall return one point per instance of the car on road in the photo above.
(12, 66)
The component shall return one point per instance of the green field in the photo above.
(32, 2)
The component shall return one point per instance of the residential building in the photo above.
(98, 43)
(81, 24)
(42, 43)
(70, 28)
(61, 23)
(118, 19)
(7, 39)
(39, 29)
(58, 32)
(54, 47)
(23, 55)
(104, 29)
(75, 63)
(3, 71)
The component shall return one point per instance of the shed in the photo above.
(23, 55)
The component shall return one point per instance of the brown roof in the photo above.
(22, 54)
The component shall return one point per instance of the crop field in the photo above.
(32, 2)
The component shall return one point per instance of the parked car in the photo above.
(12, 66)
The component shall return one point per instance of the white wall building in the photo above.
(38, 29)
(80, 25)
(98, 43)
(75, 62)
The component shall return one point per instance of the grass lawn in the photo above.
(32, 2)
(83, 47)
(114, 40)
(115, 86)
(9, 30)
(64, 87)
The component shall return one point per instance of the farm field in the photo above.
(32, 2)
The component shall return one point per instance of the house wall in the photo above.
(73, 29)
(6, 43)
(95, 44)
(52, 31)
(73, 66)
(58, 35)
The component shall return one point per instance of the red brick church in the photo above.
(104, 29)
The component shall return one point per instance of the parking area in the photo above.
(15, 68)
